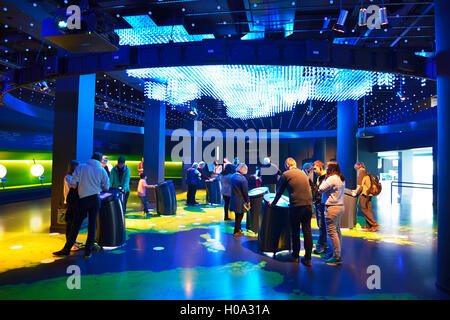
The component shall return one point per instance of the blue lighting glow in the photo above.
(144, 31)
(255, 91)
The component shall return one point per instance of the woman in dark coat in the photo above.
(239, 197)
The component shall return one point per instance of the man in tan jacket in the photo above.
(365, 199)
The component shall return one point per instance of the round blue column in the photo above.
(442, 10)
(347, 126)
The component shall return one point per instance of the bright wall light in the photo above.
(3, 171)
(37, 170)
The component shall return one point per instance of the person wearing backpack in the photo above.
(364, 189)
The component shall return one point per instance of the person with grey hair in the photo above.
(192, 181)
(268, 174)
(239, 202)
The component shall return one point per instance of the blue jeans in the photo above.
(333, 216)
(322, 225)
(145, 203)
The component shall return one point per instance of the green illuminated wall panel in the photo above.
(18, 164)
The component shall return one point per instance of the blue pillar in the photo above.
(154, 143)
(320, 149)
(442, 10)
(73, 133)
(347, 126)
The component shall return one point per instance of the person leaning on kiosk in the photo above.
(192, 181)
(365, 199)
(91, 179)
(300, 208)
(322, 245)
(333, 188)
(225, 181)
(120, 179)
(239, 197)
(268, 180)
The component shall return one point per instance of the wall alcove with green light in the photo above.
(18, 165)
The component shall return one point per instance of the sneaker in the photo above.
(61, 253)
(227, 219)
(333, 261)
(320, 250)
(306, 262)
(238, 234)
(373, 229)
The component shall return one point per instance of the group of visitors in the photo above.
(315, 188)
(82, 187)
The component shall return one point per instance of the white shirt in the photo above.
(333, 189)
(67, 180)
(91, 178)
(141, 188)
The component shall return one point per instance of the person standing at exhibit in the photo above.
(90, 179)
(319, 205)
(142, 192)
(270, 179)
(300, 208)
(70, 200)
(239, 200)
(120, 179)
(217, 169)
(365, 200)
(225, 180)
(192, 181)
(141, 166)
(105, 160)
(333, 189)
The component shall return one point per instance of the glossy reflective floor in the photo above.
(193, 255)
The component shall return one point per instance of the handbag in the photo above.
(61, 219)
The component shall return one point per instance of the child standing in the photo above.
(142, 191)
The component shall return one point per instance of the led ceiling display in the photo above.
(145, 31)
(255, 91)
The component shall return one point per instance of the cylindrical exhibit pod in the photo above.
(253, 216)
(348, 219)
(274, 232)
(165, 203)
(111, 220)
(213, 191)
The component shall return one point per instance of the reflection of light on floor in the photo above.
(163, 231)
(36, 223)
(187, 283)
(158, 248)
(16, 247)
(47, 260)
(54, 234)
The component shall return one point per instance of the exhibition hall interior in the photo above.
(224, 150)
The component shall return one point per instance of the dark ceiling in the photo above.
(411, 25)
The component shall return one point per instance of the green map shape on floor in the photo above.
(218, 282)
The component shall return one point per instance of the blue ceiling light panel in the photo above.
(144, 31)
(255, 91)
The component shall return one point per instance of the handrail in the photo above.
(413, 185)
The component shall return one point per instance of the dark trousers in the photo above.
(366, 208)
(88, 207)
(71, 213)
(124, 201)
(192, 189)
(226, 206)
(322, 225)
(301, 215)
(144, 201)
(237, 221)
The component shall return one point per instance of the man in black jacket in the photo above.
(269, 175)
(239, 197)
(192, 181)
(322, 246)
(300, 208)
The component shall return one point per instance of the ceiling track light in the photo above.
(362, 18)
(339, 26)
(383, 16)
